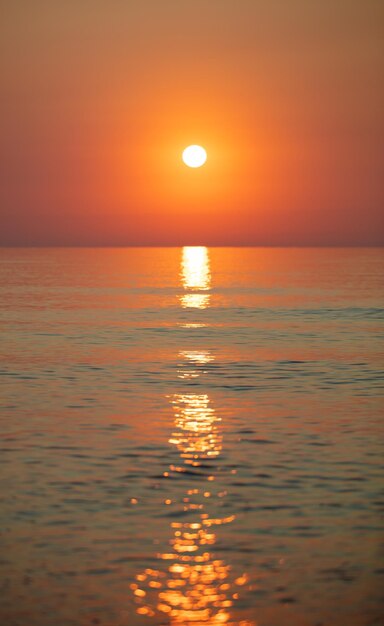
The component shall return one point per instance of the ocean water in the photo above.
(191, 436)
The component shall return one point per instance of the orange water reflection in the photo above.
(192, 360)
(197, 436)
(195, 277)
(192, 586)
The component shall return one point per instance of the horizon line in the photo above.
(190, 245)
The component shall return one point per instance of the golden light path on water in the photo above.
(196, 277)
(193, 588)
(198, 436)
(192, 359)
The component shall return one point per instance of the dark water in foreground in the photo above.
(191, 436)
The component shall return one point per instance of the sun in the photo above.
(194, 156)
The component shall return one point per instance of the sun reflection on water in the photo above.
(195, 587)
(195, 267)
(191, 586)
(195, 277)
(193, 360)
(197, 436)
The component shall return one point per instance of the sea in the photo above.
(191, 436)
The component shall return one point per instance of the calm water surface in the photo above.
(191, 436)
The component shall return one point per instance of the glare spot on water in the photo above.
(195, 268)
(196, 276)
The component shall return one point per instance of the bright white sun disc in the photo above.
(194, 156)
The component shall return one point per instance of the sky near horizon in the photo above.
(100, 98)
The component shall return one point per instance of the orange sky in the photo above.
(100, 98)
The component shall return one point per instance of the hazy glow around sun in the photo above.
(194, 156)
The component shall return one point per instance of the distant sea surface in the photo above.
(191, 436)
